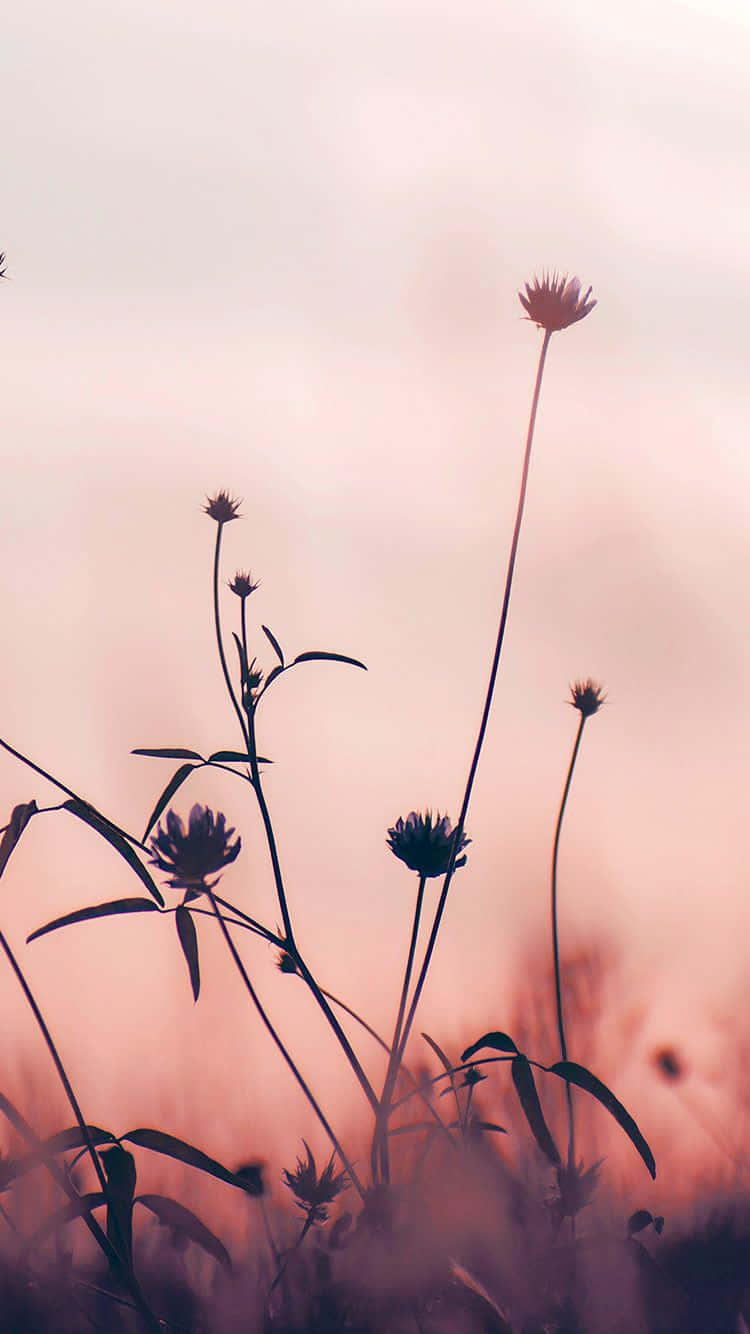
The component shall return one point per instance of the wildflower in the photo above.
(243, 585)
(472, 1077)
(587, 697)
(669, 1064)
(285, 963)
(554, 303)
(313, 1194)
(190, 857)
(575, 1188)
(222, 507)
(425, 847)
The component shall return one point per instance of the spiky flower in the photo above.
(575, 1188)
(312, 1193)
(587, 697)
(285, 963)
(189, 857)
(425, 847)
(555, 302)
(222, 507)
(243, 585)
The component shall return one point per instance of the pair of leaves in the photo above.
(571, 1073)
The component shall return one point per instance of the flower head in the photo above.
(189, 857)
(311, 1193)
(575, 1188)
(222, 507)
(426, 847)
(555, 302)
(586, 696)
(243, 585)
(285, 963)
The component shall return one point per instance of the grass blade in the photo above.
(172, 1147)
(495, 1041)
(116, 839)
(189, 942)
(576, 1074)
(175, 782)
(185, 1223)
(523, 1078)
(112, 909)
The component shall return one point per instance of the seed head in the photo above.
(555, 302)
(189, 857)
(313, 1194)
(587, 697)
(423, 846)
(243, 585)
(222, 507)
(575, 1188)
(285, 963)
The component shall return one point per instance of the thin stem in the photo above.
(116, 1259)
(280, 1045)
(487, 703)
(380, 1139)
(556, 943)
(219, 640)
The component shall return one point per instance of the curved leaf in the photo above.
(11, 1169)
(182, 1221)
(275, 671)
(117, 839)
(73, 1209)
(523, 1078)
(172, 1147)
(168, 753)
(638, 1221)
(189, 941)
(576, 1074)
(96, 910)
(234, 757)
(273, 641)
(19, 818)
(176, 781)
(495, 1041)
(318, 655)
(244, 673)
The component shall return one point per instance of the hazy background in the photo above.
(276, 249)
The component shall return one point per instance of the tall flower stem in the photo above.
(239, 965)
(556, 942)
(220, 641)
(115, 1255)
(379, 1153)
(487, 703)
(290, 943)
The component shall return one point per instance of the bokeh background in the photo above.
(276, 248)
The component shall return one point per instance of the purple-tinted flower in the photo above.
(587, 697)
(190, 857)
(243, 585)
(425, 847)
(222, 507)
(554, 303)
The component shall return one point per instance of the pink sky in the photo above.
(279, 253)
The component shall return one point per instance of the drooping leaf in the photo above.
(523, 1078)
(576, 1074)
(318, 655)
(19, 818)
(62, 1142)
(66, 1214)
(185, 1223)
(189, 942)
(495, 1041)
(270, 636)
(119, 1168)
(168, 753)
(176, 781)
(117, 839)
(112, 909)
(251, 1175)
(172, 1147)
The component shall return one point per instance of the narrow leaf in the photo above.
(65, 1140)
(182, 1221)
(168, 753)
(112, 909)
(638, 1221)
(189, 941)
(275, 671)
(172, 1147)
(117, 840)
(119, 1168)
(576, 1074)
(243, 660)
(176, 781)
(488, 1125)
(234, 757)
(270, 636)
(19, 818)
(523, 1078)
(495, 1041)
(317, 655)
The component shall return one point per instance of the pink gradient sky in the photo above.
(276, 249)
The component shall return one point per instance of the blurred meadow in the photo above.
(277, 250)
